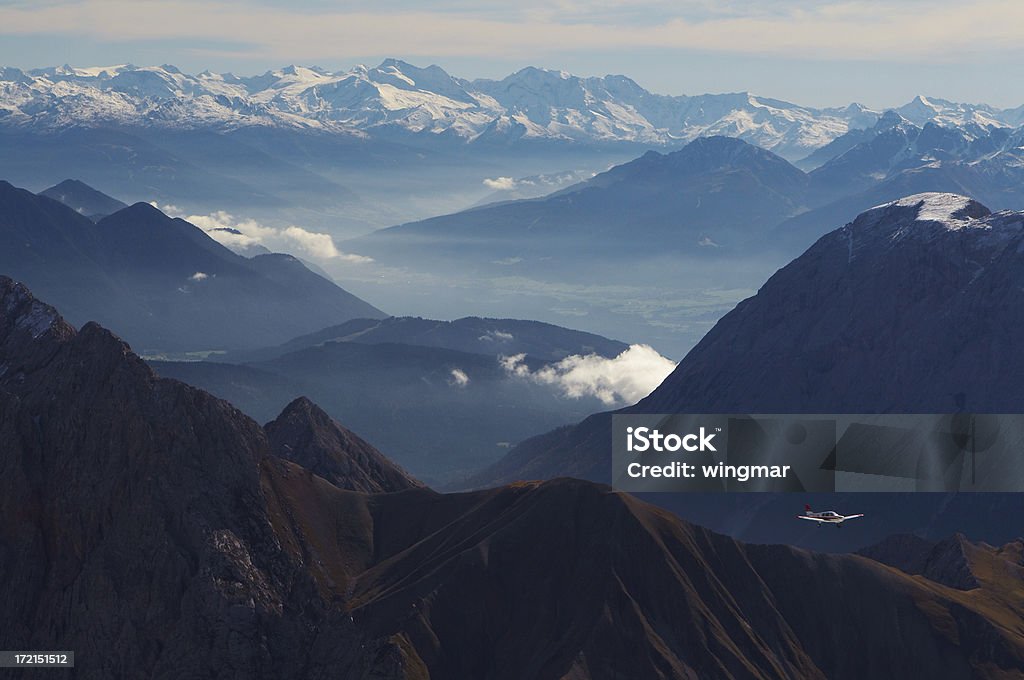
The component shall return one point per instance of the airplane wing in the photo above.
(813, 519)
(846, 517)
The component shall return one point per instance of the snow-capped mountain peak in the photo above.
(396, 97)
(927, 217)
(921, 110)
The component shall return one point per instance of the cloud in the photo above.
(317, 245)
(497, 336)
(199, 276)
(500, 183)
(853, 29)
(244, 234)
(458, 378)
(626, 379)
(169, 208)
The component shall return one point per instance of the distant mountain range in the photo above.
(146, 515)
(349, 152)
(402, 101)
(721, 195)
(913, 307)
(162, 282)
(536, 340)
(714, 193)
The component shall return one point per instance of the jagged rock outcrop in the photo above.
(304, 434)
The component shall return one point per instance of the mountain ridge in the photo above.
(398, 98)
(680, 200)
(159, 520)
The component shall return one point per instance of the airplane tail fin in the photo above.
(807, 508)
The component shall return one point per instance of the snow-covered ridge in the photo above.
(951, 210)
(931, 218)
(400, 98)
(937, 214)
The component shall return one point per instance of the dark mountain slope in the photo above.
(143, 515)
(133, 513)
(714, 607)
(161, 282)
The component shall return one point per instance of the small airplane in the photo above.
(827, 517)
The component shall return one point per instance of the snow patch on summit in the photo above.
(948, 209)
(938, 214)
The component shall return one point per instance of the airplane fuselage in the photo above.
(827, 517)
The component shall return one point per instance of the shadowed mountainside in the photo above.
(144, 514)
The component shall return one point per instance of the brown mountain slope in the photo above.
(148, 527)
(566, 579)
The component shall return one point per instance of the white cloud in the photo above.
(169, 209)
(497, 336)
(626, 379)
(199, 276)
(500, 183)
(240, 234)
(317, 245)
(458, 378)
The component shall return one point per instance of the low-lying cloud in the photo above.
(458, 378)
(500, 183)
(497, 336)
(246, 236)
(626, 379)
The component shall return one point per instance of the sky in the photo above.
(814, 52)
